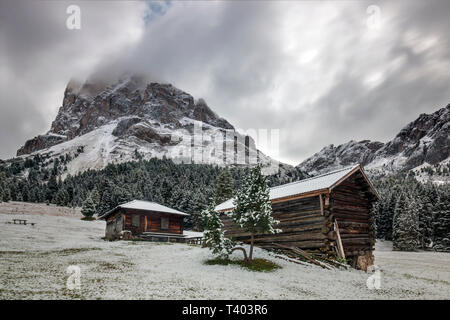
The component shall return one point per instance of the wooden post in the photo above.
(339, 241)
(321, 203)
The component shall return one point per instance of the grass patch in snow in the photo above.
(69, 251)
(88, 219)
(258, 265)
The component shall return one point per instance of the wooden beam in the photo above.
(304, 254)
(339, 241)
(327, 200)
(300, 196)
(321, 203)
(292, 197)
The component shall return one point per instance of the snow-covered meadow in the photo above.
(34, 262)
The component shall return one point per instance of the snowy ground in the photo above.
(19, 208)
(33, 263)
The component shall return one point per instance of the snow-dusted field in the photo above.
(19, 208)
(33, 263)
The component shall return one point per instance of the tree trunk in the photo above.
(250, 256)
(243, 251)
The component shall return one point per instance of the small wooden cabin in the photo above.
(330, 214)
(143, 217)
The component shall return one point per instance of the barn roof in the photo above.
(144, 206)
(322, 183)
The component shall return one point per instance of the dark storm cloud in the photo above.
(39, 55)
(314, 70)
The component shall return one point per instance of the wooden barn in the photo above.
(330, 214)
(145, 219)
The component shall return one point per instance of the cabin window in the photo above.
(164, 223)
(135, 220)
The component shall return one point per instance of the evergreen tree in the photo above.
(120, 195)
(88, 209)
(441, 224)
(406, 225)
(95, 196)
(25, 193)
(61, 197)
(426, 209)
(252, 207)
(6, 195)
(213, 235)
(52, 187)
(224, 186)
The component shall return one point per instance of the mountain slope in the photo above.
(99, 124)
(422, 142)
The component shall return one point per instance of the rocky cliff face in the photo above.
(423, 141)
(331, 158)
(132, 119)
(89, 107)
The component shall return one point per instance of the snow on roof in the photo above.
(323, 181)
(145, 205)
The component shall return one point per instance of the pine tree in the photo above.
(95, 196)
(252, 207)
(441, 224)
(88, 209)
(199, 203)
(426, 209)
(120, 195)
(406, 225)
(213, 235)
(6, 195)
(61, 197)
(224, 186)
(52, 186)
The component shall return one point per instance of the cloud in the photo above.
(314, 70)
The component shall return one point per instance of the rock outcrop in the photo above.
(425, 140)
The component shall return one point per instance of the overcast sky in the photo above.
(320, 72)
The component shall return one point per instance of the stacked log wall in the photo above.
(309, 223)
(351, 207)
(302, 223)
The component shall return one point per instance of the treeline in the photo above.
(185, 187)
(412, 214)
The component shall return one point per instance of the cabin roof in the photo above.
(321, 183)
(144, 206)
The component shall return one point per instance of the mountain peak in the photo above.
(422, 141)
(90, 105)
(132, 118)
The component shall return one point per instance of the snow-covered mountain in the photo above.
(99, 124)
(423, 142)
